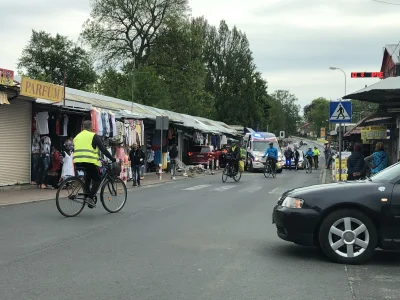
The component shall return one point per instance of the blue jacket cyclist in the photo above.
(309, 155)
(86, 145)
(272, 153)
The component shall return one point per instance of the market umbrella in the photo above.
(385, 92)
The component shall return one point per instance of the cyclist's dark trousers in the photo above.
(273, 162)
(92, 176)
(315, 160)
(310, 160)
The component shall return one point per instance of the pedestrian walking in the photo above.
(173, 155)
(356, 166)
(289, 155)
(136, 156)
(296, 158)
(328, 155)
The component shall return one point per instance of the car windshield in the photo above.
(261, 146)
(387, 174)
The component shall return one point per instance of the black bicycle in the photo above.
(113, 193)
(268, 169)
(230, 170)
(308, 164)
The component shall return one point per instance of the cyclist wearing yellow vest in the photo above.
(86, 156)
(316, 155)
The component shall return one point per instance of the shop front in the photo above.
(15, 132)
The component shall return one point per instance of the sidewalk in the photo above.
(26, 194)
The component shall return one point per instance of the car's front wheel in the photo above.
(348, 236)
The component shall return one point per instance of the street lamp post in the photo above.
(340, 126)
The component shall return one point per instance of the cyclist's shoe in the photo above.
(90, 203)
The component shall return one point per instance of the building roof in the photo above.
(394, 51)
(85, 100)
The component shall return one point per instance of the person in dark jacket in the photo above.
(289, 155)
(296, 158)
(173, 155)
(136, 156)
(356, 167)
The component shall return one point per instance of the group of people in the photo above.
(312, 155)
(358, 165)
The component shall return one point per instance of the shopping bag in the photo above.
(241, 166)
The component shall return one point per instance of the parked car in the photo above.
(201, 155)
(347, 220)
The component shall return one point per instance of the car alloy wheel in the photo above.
(349, 242)
(348, 236)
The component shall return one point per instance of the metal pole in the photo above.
(340, 134)
(161, 143)
(133, 83)
(65, 81)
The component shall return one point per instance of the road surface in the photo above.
(189, 239)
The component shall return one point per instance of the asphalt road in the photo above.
(189, 239)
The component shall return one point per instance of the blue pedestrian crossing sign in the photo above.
(340, 112)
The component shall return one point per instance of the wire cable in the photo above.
(385, 2)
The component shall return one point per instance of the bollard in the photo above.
(160, 172)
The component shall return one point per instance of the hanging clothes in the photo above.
(42, 122)
(65, 125)
(99, 123)
(93, 116)
(58, 125)
(224, 140)
(120, 154)
(35, 143)
(157, 157)
(114, 125)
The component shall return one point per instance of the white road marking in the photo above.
(278, 191)
(223, 188)
(245, 190)
(197, 187)
(255, 189)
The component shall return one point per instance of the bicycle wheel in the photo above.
(306, 167)
(116, 195)
(273, 172)
(237, 176)
(70, 193)
(267, 170)
(225, 174)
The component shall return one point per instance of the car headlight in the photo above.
(291, 202)
(256, 158)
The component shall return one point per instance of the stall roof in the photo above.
(84, 101)
(386, 91)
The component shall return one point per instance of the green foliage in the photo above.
(362, 109)
(317, 113)
(284, 112)
(120, 31)
(46, 58)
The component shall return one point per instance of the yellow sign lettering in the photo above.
(39, 89)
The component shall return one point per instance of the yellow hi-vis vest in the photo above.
(83, 150)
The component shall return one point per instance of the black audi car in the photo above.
(347, 220)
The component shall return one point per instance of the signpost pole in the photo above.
(161, 143)
(65, 81)
(340, 151)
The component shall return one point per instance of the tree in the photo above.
(120, 31)
(177, 55)
(232, 78)
(285, 115)
(47, 58)
(317, 113)
(362, 109)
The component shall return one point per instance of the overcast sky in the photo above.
(293, 41)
